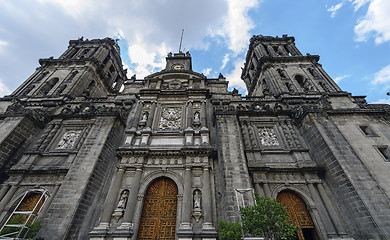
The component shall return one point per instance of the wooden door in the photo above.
(299, 216)
(158, 219)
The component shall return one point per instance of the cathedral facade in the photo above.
(91, 154)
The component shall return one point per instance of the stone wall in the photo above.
(74, 210)
(356, 192)
(232, 169)
(14, 132)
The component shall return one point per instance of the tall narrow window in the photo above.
(24, 215)
(48, 86)
(84, 53)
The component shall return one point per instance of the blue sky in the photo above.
(352, 37)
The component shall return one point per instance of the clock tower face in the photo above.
(177, 67)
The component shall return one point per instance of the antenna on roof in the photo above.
(181, 39)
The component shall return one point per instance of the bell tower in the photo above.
(274, 66)
(88, 68)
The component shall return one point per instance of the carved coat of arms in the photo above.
(68, 140)
(170, 118)
(268, 137)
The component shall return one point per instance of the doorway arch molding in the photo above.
(304, 195)
(150, 177)
(311, 206)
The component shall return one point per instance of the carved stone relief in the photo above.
(197, 213)
(121, 205)
(69, 139)
(197, 119)
(170, 118)
(268, 137)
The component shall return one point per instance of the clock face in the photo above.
(177, 67)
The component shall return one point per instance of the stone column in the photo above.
(137, 114)
(8, 196)
(109, 205)
(267, 190)
(48, 202)
(246, 135)
(187, 200)
(293, 49)
(151, 115)
(132, 200)
(206, 199)
(330, 230)
(332, 212)
(4, 190)
(271, 51)
(259, 190)
(49, 137)
(262, 50)
(203, 118)
(254, 60)
(190, 115)
(283, 50)
(44, 135)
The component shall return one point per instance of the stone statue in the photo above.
(123, 200)
(120, 208)
(197, 198)
(197, 211)
(196, 117)
(144, 117)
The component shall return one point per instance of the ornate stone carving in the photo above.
(197, 205)
(144, 118)
(121, 205)
(268, 137)
(170, 118)
(69, 139)
(197, 119)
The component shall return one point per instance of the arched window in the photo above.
(299, 215)
(24, 215)
(48, 86)
(301, 81)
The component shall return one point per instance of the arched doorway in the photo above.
(158, 219)
(299, 215)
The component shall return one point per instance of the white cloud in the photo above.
(207, 71)
(234, 77)
(339, 78)
(225, 60)
(4, 90)
(3, 45)
(382, 76)
(150, 28)
(148, 59)
(382, 101)
(334, 8)
(238, 24)
(359, 3)
(129, 73)
(376, 22)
